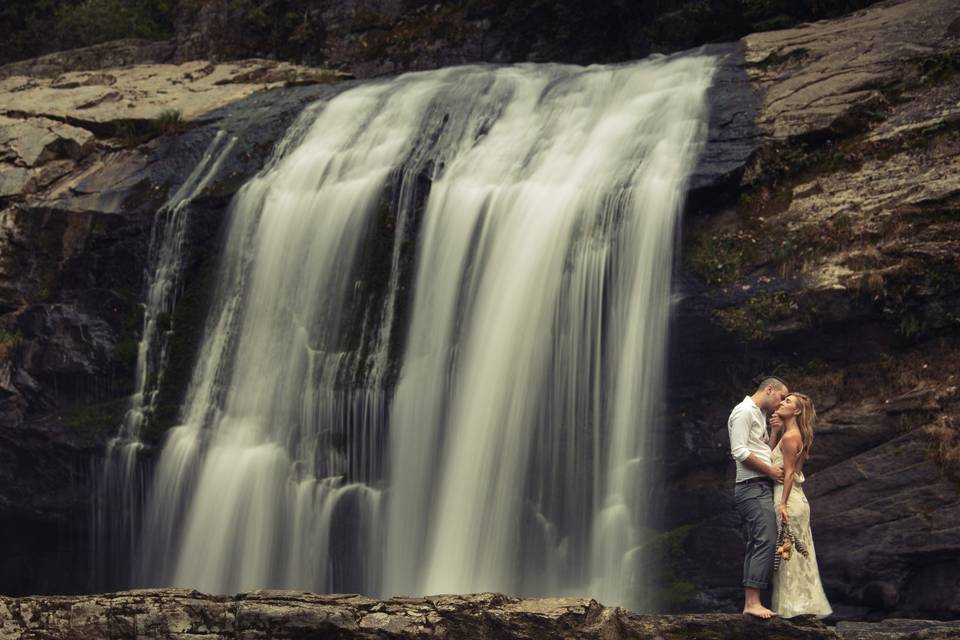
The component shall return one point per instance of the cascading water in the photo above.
(437, 341)
(119, 482)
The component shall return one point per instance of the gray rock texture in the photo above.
(278, 614)
(180, 613)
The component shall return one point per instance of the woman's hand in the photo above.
(784, 517)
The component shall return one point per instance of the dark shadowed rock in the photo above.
(118, 53)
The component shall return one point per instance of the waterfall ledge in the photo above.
(182, 613)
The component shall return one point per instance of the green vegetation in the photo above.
(48, 285)
(169, 121)
(304, 76)
(281, 29)
(937, 68)
(132, 133)
(35, 27)
(94, 423)
(721, 256)
(187, 325)
(751, 320)
(668, 550)
(9, 341)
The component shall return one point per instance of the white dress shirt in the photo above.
(747, 427)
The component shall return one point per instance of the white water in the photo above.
(119, 481)
(437, 343)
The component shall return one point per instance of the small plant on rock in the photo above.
(169, 121)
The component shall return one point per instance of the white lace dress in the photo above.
(796, 584)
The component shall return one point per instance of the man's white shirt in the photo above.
(747, 428)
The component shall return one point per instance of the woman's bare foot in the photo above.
(758, 611)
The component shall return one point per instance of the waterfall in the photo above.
(436, 346)
(119, 480)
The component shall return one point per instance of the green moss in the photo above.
(125, 354)
(9, 341)
(669, 592)
(92, 424)
(48, 285)
(909, 325)
(751, 320)
(939, 67)
(677, 594)
(792, 370)
(186, 325)
(720, 257)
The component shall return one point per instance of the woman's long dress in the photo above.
(797, 589)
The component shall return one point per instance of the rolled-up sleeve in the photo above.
(739, 429)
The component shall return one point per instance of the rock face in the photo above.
(174, 613)
(834, 264)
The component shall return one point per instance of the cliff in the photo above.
(835, 264)
(820, 244)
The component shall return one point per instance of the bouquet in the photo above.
(787, 542)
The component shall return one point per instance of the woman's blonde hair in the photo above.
(805, 420)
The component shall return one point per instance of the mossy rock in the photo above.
(93, 424)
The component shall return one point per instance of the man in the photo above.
(753, 495)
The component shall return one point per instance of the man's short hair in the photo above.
(771, 381)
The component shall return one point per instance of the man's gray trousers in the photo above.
(754, 502)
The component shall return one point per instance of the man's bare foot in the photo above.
(758, 611)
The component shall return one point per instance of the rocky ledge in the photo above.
(180, 613)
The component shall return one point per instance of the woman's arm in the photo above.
(790, 446)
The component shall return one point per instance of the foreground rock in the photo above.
(172, 613)
(182, 613)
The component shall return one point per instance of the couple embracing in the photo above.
(769, 498)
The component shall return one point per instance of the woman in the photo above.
(796, 584)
